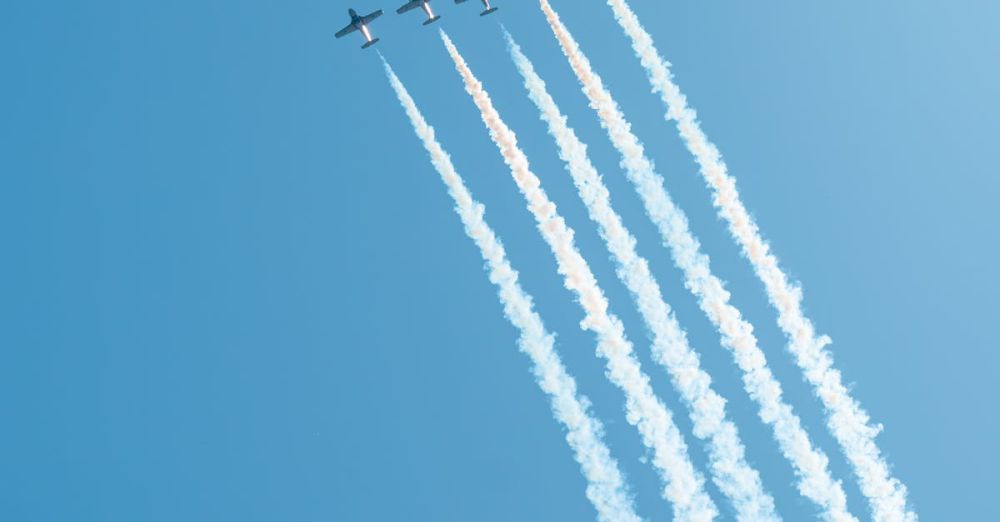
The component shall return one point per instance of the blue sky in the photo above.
(233, 287)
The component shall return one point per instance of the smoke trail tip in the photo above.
(506, 34)
(389, 72)
(512, 46)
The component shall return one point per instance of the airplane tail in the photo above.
(369, 44)
(432, 20)
(488, 11)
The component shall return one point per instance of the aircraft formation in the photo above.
(360, 23)
(730, 471)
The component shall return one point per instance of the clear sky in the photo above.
(233, 287)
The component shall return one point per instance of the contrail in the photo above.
(735, 478)
(810, 464)
(684, 487)
(605, 486)
(848, 422)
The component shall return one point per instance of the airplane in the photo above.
(361, 23)
(423, 4)
(485, 3)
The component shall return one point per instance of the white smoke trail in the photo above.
(810, 464)
(735, 478)
(684, 487)
(848, 422)
(605, 487)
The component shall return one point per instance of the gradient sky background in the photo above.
(233, 288)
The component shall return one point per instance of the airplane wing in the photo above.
(347, 30)
(368, 19)
(409, 6)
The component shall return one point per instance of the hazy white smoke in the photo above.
(684, 487)
(735, 478)
(605, 487)
(810, 464)
(849, 423)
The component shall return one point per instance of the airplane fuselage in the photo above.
(486, 3)
(364, 31)
(360, 25)
(424, 5)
